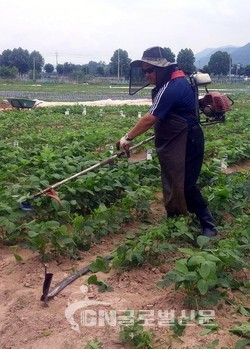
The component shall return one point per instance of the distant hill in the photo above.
(239, 55)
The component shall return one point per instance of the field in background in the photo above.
(90, 92)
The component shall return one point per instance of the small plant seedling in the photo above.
(135, 336)
(95, 344)
(102, 286)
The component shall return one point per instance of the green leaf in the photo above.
(213, 345)
(242, 330)
(242, 344)
(52, 224)
(202, 286)
(10, 226)
(204, 270)
(65, 205)
(66, 240)
(202, 241)
(101, 264)
(187, 251)
(102, 207)
(206, 331)
(92, 280)
(181, 267)
(18, 258)
(32, 234)
(169, 279)
(130, 236)
(247, 284)
(213, 326)
(178, 328)
(190, 235)
(190, 276)
(103, 287)
(243, 310)
(94, 345)
(195, 260)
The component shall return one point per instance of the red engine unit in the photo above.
(213, 105)
(215, 102)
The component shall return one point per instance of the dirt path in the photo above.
(5, 105)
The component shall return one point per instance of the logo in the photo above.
(94, 313)
(75, 306)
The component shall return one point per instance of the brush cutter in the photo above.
(50, 191)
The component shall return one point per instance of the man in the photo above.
(179, 139)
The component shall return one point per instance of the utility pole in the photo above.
(118, 65)
(56, 58)
(34, 68)
(238, 71)
(230, 68)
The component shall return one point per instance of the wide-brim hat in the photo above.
(155, 56)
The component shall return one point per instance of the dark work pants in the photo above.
(194, 158)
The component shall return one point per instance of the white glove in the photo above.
(125, 141)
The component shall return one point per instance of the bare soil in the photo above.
(4, 105)
(27, 323)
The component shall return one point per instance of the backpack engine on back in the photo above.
(213, 105)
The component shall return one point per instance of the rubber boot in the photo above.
(170, 214)
(207, 223)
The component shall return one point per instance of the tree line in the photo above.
(19, 62)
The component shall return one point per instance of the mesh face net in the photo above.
(137, 79)
(155, 56)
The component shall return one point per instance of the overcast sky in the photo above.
(79, 31)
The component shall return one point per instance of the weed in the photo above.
(135, 336)
(95, 344)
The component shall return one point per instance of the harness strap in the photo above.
(177, 74)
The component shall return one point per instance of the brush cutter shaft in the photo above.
(141, 143)
(99, 164)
